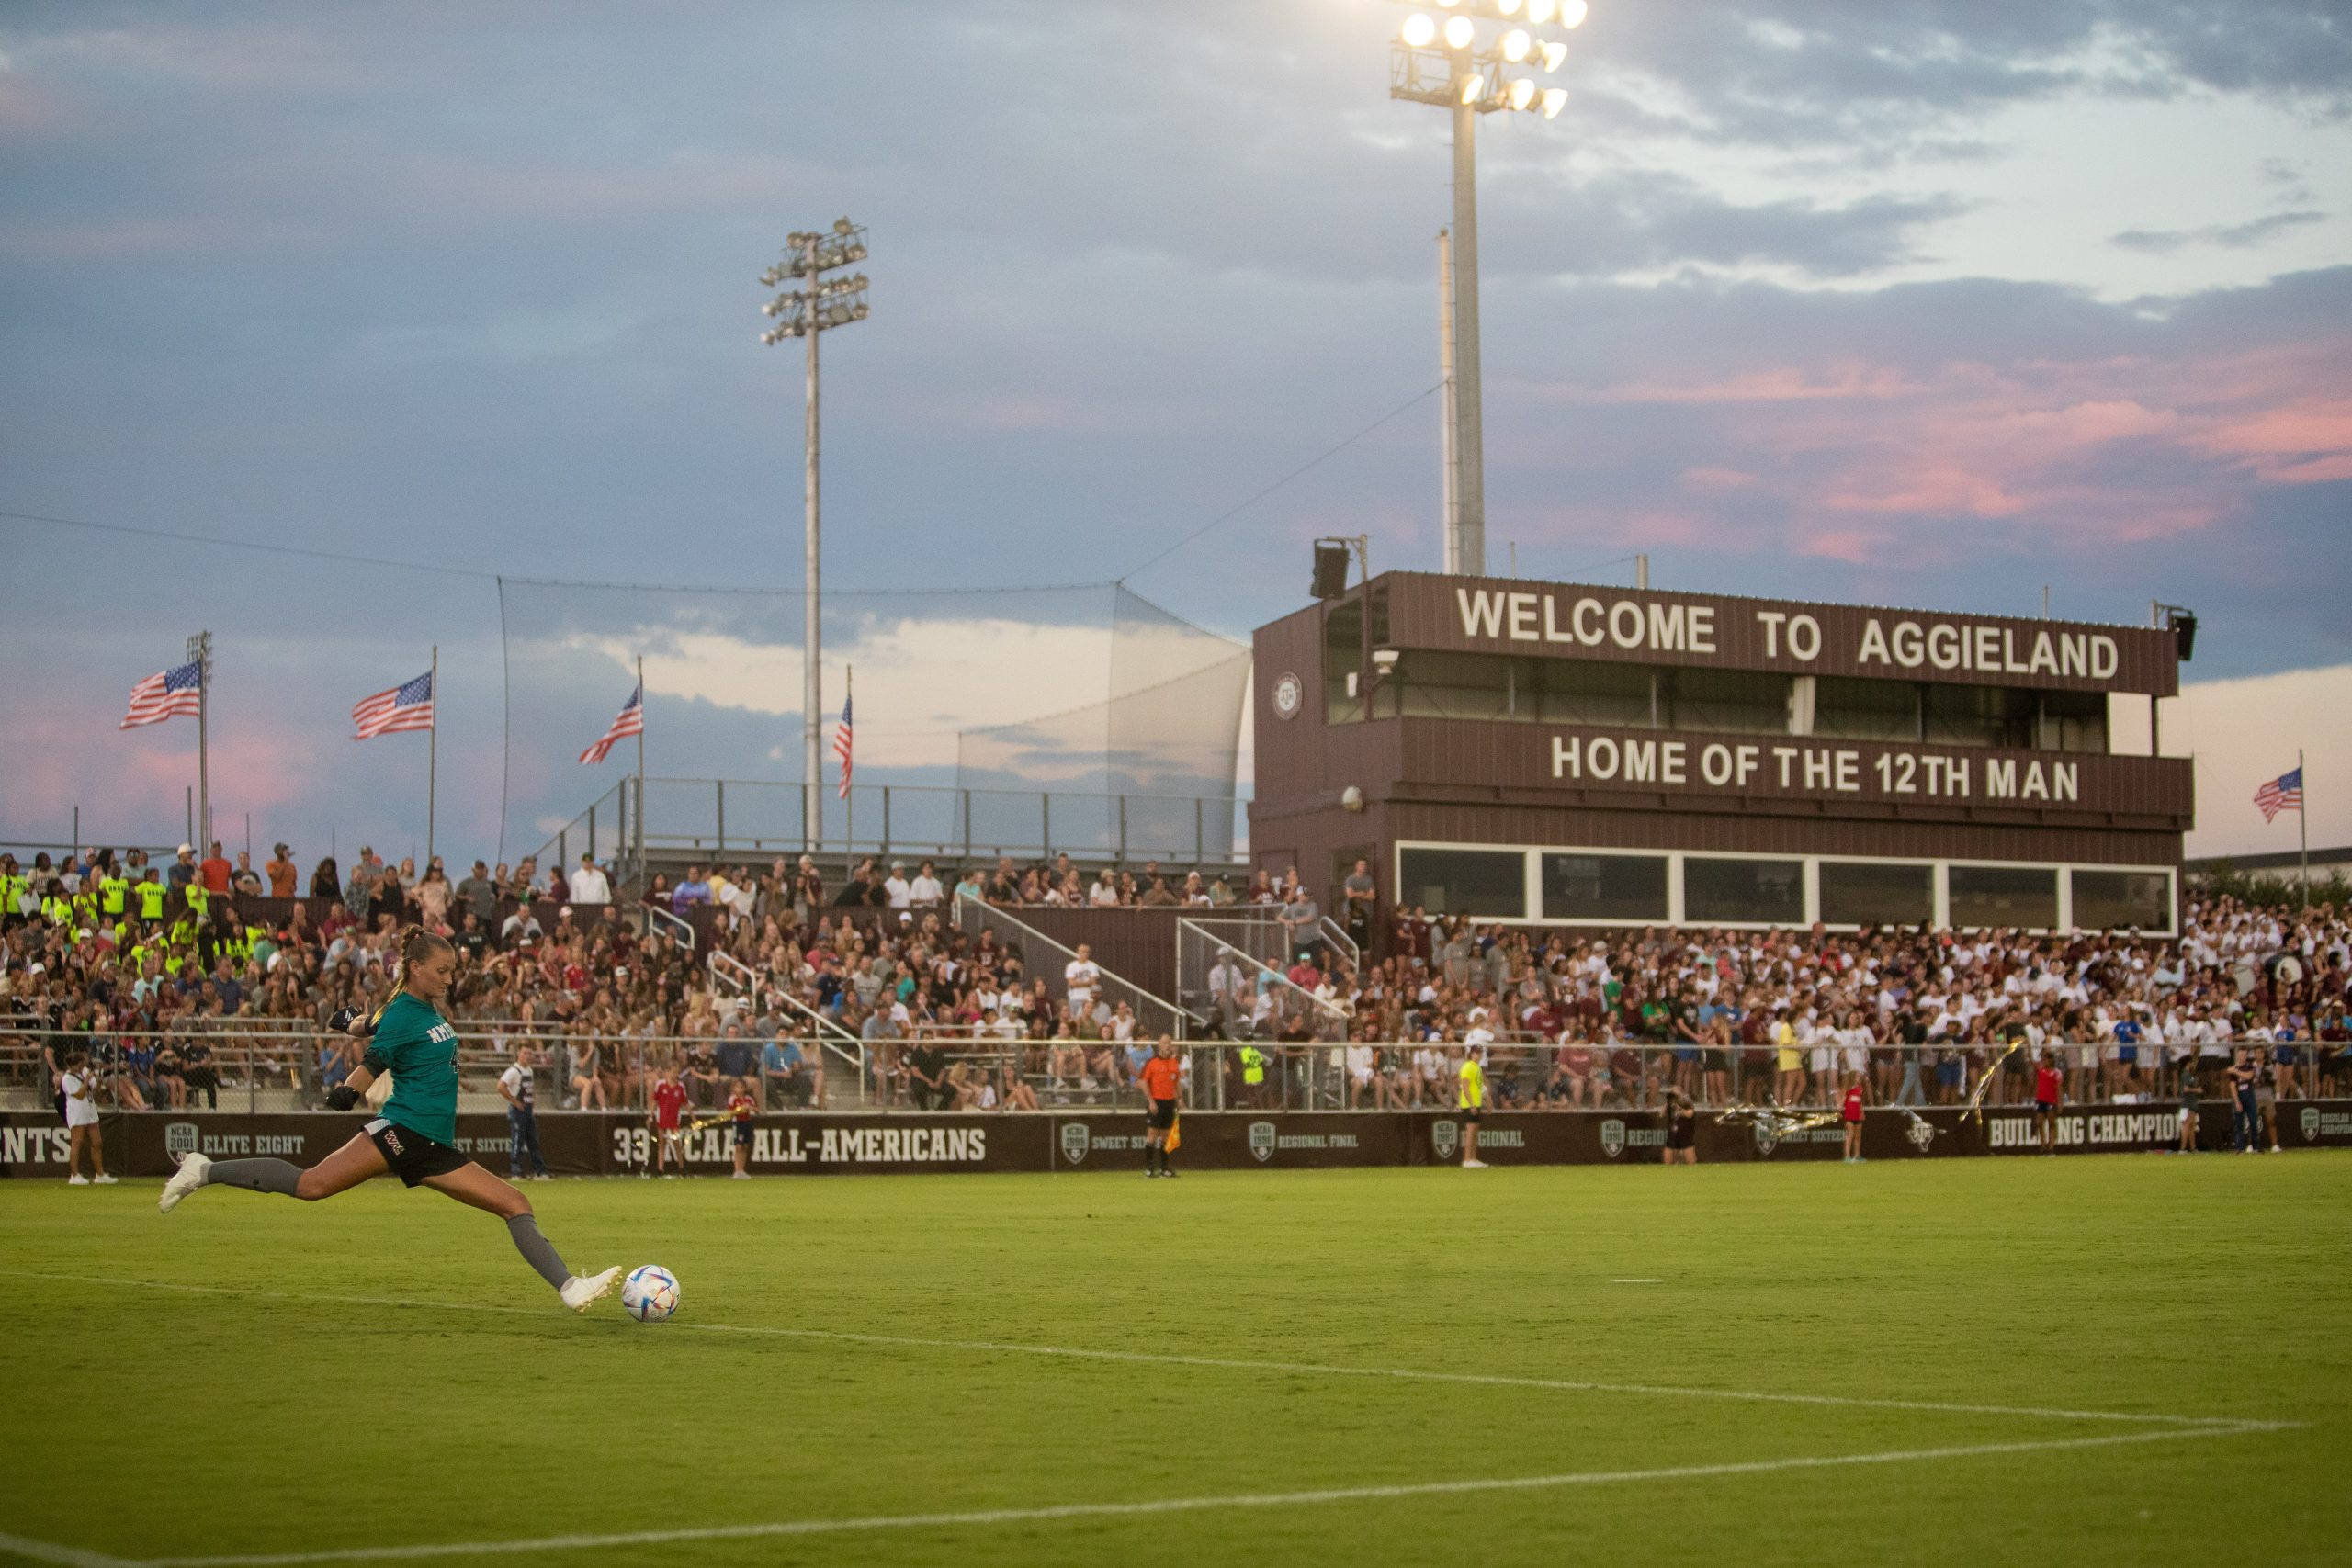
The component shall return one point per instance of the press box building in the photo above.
(1559, 754)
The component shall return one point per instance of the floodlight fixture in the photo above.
(1437, 56)
(820, 305)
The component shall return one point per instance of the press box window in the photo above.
(1761, 892)
(1604, 887)
(1865, 893)
(2003, 896)
(2118, 900)
(1492, 882)
(1737, 701)
(1854, 707)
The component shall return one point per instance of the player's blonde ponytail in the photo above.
(415, 943)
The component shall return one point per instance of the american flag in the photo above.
(402, 708)
(168, 693)
(630, 722)
(841, 748)
(2284, 793)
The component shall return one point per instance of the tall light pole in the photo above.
(819, 305)
(1438, 59)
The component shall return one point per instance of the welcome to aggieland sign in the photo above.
(1800, 637)
(590, 1143)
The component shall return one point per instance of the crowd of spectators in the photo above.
(875, 987)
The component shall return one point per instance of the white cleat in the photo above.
(185, 1180)
(579, 1292)
(77, 1179)
(1474, 1165)
(102, 1180)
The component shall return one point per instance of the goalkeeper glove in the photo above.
(342, 1019)
(341, 1097)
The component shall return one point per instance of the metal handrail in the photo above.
(1344, 941)
(1262, 971)
(672, 926)
(969, 915)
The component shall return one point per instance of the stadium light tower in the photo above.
(818, 305)
(1437, 58)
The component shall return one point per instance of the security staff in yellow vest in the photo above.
(150, 896)
(114, 895)
(1253, 1075)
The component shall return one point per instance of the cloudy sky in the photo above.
(1913, 301)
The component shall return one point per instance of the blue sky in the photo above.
(1918, 303)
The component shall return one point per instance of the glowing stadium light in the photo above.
(1441, 56)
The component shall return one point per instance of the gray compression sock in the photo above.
(536, 1250)
(255, 1175)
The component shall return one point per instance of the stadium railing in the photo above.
(676, 819)
(288, 1068)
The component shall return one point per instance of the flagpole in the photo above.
(433, 754)
(640, 765)
(2303, 824)
(849, 801)
(199, 649)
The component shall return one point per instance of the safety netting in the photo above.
(1077, 715)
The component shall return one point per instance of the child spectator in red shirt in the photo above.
(669, 1099)
(1850, 1112)
(2048, 1088)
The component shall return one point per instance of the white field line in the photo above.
(66, 1556)
(1223, 1363)
(585, 1542)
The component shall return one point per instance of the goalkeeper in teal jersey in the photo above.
(414, 1139)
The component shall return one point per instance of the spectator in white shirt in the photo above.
(926, 891)
(896, 888)
(1081, 976)
(590, 885)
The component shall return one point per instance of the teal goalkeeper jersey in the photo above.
(419, 1048)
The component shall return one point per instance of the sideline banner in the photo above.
(33, 1144)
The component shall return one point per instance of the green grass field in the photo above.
(250, 1376)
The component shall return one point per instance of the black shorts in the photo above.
(2045, 1108)
(1163, 1115)
(411, 1156)
(1682, 1136)
(742, 1134)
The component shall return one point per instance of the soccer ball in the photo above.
(650, 1293)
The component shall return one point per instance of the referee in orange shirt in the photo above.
(1163, 1079)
